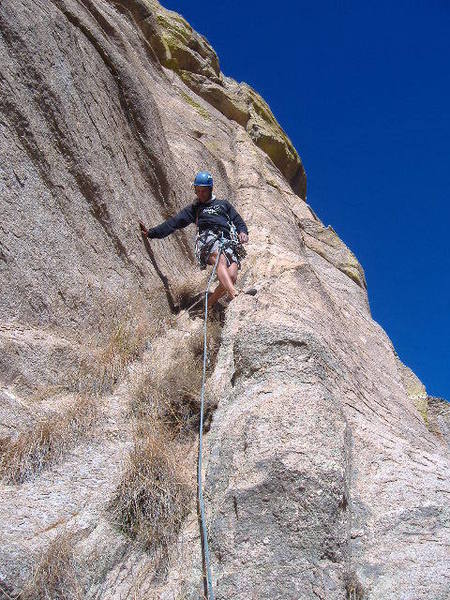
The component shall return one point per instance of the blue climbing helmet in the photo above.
(203, 179)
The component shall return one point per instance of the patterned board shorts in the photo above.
(208, 242)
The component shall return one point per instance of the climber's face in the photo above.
(203, 193)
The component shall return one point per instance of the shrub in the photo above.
(153, 496)
(213, 334)
(189, 290)
(170, 393)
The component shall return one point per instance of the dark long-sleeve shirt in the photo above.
(214, 214)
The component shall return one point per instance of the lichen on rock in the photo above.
(189, 54)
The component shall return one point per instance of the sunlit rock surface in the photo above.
(326, 464)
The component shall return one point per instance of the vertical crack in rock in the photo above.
(170, 300)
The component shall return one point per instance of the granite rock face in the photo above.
(326, 463)
(189, 54)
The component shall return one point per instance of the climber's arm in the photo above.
(184, 218)
(239, 223)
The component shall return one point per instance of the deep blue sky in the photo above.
(363, 91)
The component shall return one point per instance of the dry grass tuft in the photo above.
(44, 443)
(177, 397)
(104, 364)
(120, 338)
(153, 497)
(170, 392)
(213, 335)
(56, 575)
(170, 397)
(353, 588)
(189, 290)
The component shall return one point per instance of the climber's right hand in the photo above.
(144, 230)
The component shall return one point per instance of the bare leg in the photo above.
(220, 290)
(227, 278)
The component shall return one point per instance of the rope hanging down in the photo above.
(199, 475)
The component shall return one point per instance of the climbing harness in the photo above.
(202, 402)
(208, 241)
(233, 248)
(236, 244)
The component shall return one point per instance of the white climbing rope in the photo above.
(199, 475)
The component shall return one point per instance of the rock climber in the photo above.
(216, 220)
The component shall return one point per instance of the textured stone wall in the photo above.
(325, 475)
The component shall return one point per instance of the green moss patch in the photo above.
(195, 105)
